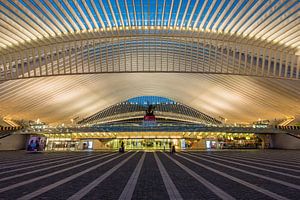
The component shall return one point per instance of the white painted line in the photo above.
(37, 165)
(265, 160)
(250, 166)
(26, 162)
(251, 173)
(258, 163)
(47, 168)
(240, 181)
(65, 180)
(274, 156)
(170, 186)
(81, 193)
(48, 175)
(29, 158)
(216, 190)
(130, 186)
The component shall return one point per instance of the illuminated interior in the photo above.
(152, 140)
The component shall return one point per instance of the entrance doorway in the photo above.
(145, 144)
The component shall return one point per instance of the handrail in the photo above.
(296, 136)
(287, 127)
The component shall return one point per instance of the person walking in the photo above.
(122, 150)
(173, 149)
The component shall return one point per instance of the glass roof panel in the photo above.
(88, 2)
(86, 13)
(64, 6)
(61, 13)
(147, 100)
(72, 4)
(197, 11)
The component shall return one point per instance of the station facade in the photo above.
(149, 123)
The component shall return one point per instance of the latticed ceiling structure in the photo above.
(164, 109)
(231, 58)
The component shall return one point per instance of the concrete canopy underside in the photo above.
(237, 98)
(231, 59)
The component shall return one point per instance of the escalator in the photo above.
(7, 131)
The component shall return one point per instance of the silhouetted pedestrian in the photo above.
(173, 149)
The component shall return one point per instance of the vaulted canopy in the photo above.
(237, 59)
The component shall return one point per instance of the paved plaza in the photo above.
(254, 174)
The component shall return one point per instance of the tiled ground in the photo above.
(254, 174)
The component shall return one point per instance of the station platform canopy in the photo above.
(237, 60)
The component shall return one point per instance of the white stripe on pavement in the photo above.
(216, 190)
(265, 160)
(48, 175)
(274, 156)
(27, 158)
(50, 167)
(251, 173)
(240, 181)
(257, 163)
(65, 180)
(22, 163)
(81, 193)
(37, 165)
(170, 186)
(250, 166)
(130, 186)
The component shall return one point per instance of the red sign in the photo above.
(149, 118)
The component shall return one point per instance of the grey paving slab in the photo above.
(44, 172)
(35, 166)
(131, 183)
(30, 187)
(263, 183)
(112, 187)
(68, 189)
(150, 184)
(233, 188)
(273, 155)
(188, 187)
(284, 176)
(269, 166)
(40, 157)
(266, 159)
